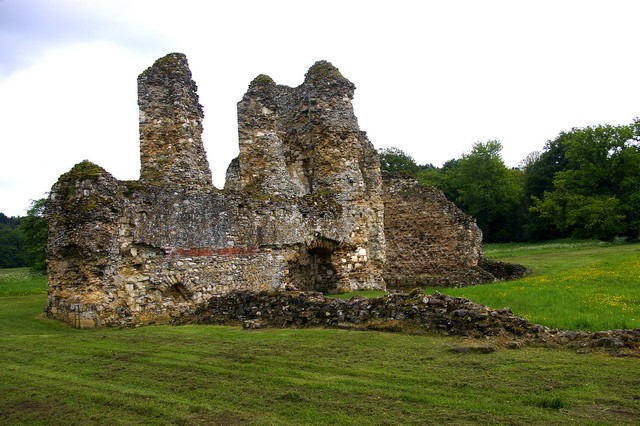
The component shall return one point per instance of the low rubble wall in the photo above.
(403, 312)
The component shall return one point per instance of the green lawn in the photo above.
(21, 282)
(578, 285)
(187, 375)
(190, 375)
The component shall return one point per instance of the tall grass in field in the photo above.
(21, 282)
(577, 285)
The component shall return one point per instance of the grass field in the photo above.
(190, 375)
(21, 282)
(577, 285)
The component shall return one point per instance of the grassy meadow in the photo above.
(576, 285)
(190, 375)
(21, 282)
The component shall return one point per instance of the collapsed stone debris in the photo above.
(413, 312)
(305, 206)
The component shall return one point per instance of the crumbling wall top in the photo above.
(323, 74)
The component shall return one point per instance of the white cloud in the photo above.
(60, 111)
(432, 77)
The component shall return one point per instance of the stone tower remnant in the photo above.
(305, 207)
(171, 150)
(304, 143)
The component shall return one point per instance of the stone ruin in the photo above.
(413, 312)
(305, 206)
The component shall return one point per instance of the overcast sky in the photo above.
(432, 77)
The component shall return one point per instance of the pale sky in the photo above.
(432, 77)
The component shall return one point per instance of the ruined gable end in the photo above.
(430, 241)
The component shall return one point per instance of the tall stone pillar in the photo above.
(171, 150)
(306, 142)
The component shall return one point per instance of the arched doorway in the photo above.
(314, 268)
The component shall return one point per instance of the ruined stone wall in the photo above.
(122, 253)
(414, 312)
(83, 212)
(139, 252)
(304, 207)
(306, 142)
(429, 240)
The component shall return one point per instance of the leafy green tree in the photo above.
(394, 160)
(11, 244)
(596, 192)
(482, 186)
(583, 216)
(35, 231)
(539, 170)
(439, 177)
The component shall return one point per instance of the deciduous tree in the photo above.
(35, 231)
(394, 160)
(596, 192)
(489, 191)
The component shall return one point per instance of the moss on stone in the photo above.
(323, 200)
(85, 170)
(168, 63)
(94, 203)
(171, 60)
(323, 70)
(262, 80)
(131, 186)
(151, 175)
(255, 189)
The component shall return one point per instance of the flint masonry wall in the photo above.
(171, 150)
(414, 312)
(429, 240)
(303, 208)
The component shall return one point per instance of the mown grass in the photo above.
(21, 282)
(575, 285)
(189, 375)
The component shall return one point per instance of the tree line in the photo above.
(583, 184)
(23, 239)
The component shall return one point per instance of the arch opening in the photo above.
(315, 269)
